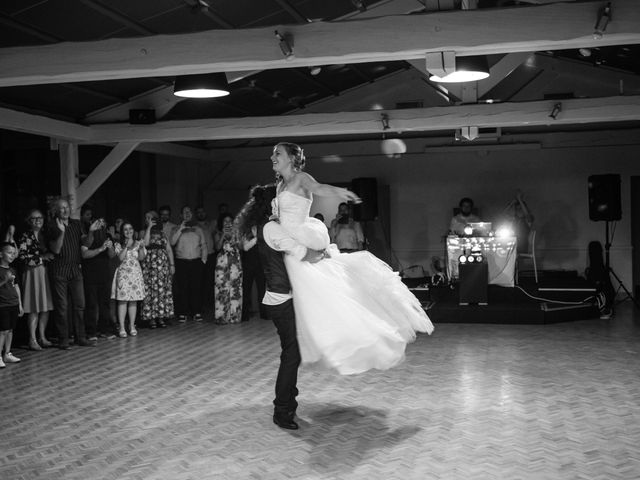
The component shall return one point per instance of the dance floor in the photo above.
(193, 401)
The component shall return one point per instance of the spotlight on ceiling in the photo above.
(604, 16)
(557, 108)
(206, 85)
(286, 45)
(445, 67)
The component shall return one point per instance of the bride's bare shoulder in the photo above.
(305, 179)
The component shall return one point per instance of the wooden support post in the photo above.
(69, 176)
(110, 163)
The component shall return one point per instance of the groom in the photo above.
(272, 242)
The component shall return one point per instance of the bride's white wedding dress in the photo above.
(353, 313)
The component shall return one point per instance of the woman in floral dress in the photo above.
(228, 273)
(157, 270)
(36, 292)
(128, 284)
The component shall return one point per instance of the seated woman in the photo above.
(353, 313)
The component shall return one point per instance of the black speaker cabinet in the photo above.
(474, 283)
(367, 190)
(604, 197)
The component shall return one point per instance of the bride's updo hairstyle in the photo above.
(297, 153)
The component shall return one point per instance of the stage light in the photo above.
(471, 259)
(479, 258)
(462, 259)
(557, 108)
(604, 16)
(286, 45)
(206, 85)
(504, 231)
(468, 230)
(384, 119)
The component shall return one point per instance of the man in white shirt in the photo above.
(190, 246)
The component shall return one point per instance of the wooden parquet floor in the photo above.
(194, 402)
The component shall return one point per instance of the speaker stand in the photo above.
(607, 247)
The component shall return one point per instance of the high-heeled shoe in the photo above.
(45, 343)
(122, 334)
(132, 331)
(33, 345)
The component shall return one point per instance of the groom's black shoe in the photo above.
(285, 422)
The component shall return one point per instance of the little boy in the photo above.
(10, 302)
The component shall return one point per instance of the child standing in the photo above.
(10, 302)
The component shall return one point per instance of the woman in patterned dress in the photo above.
(36, 292)
(128, 284)
(157, 270)
(228, 273)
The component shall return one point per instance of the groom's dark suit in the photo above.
(282, 315)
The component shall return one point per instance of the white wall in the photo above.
(424, 188)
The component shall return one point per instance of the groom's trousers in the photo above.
(284, 319)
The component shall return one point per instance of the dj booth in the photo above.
(499, 253)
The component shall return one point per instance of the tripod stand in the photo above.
(609, 270)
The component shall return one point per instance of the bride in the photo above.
(353, 313)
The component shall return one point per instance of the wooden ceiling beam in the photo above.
(574, 111)
(39, 125)
(472, 32)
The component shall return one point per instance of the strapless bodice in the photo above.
(292, 209)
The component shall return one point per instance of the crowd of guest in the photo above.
(104, 280)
